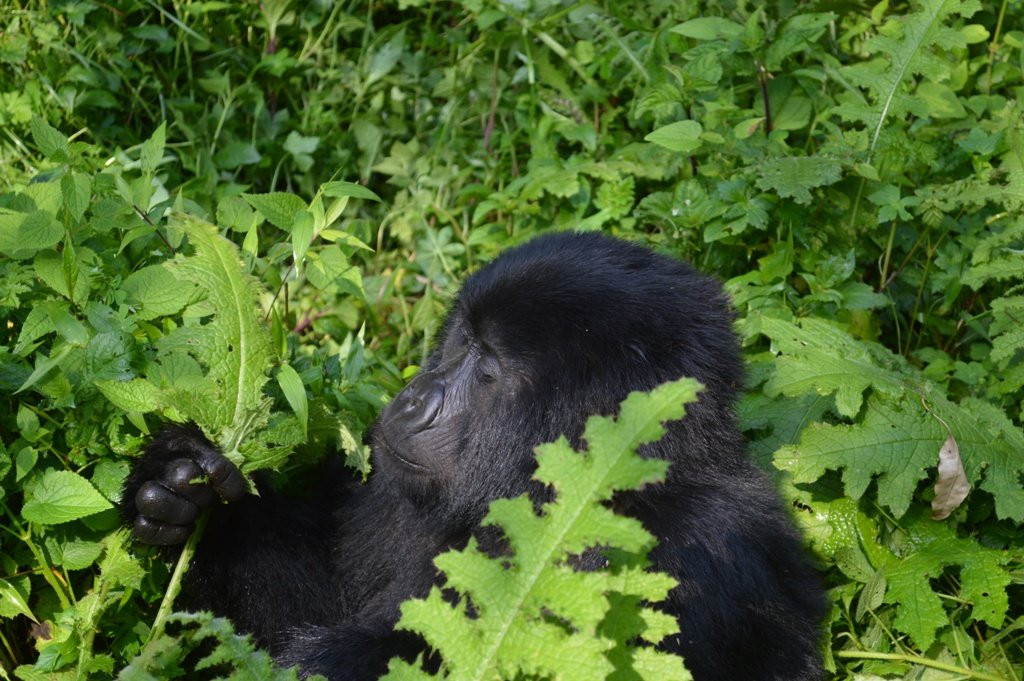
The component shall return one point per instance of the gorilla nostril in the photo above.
(418, 405)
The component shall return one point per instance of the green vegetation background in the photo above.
(854, 172)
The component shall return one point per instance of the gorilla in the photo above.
(547, 334)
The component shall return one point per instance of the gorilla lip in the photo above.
(393, 453)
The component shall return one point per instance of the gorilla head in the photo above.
(546, 335)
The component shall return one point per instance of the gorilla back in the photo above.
(549, 333)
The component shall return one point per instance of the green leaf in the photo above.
(682, 136)
(795, 35)
(12, 601)
(38, 323)
(152, 151)
(907, 47)
(136, 395)
(295, 393)
(60, 497)
(518, 598)
(21, 235)
(76, 189)
(793, 176)
(43, 366)
(118, 566)
(302, 236)
(384, 58)
(983, 579)
(350, 189)
(818, 356)
(236, 154)
(234, 346)
(157, 291)
(935, 100)
(893, 443)
(709, 28)
(49, 266)
(51, 141)
(279, 208)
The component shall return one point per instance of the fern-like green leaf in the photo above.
(898, 436)
(905, 48)
(233, 656)
(983, 579)
(529, 614)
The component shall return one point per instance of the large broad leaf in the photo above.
(60, 497)
(234, 346)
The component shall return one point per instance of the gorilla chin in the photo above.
(547, 334)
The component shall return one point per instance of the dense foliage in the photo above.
(854, 172)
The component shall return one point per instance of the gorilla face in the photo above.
(546, 335)
(424, 433)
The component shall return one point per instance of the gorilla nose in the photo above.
(418, 404)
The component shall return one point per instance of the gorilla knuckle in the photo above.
(156, 501)
(157, 533)
(185, 477)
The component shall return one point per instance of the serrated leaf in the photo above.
(794, 176)
(818, 356)
(983, 579)
(76, 189)
(515, 598)
(136, 395)
(38, 323)
(118, 566)
(49, 265)
(681, 136)
(907, 48)
(60, 497)
(51, 141)
(279, 208)
(157, 291)
(21, 235)
(152, 150)
(234, 346)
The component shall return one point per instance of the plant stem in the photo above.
(174, 586)
(993, 47)
(884, 279)
(64, 595)
(916, 659)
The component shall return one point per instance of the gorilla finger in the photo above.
(158, 502)
(186, 478)
(225, 478)
(153, 532)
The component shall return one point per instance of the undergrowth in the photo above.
(855, 173)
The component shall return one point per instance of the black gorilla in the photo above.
(547, 334)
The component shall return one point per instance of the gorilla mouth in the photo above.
(392, 452)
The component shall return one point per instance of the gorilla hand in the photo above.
(180, 474)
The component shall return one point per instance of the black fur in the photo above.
(549, 333)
